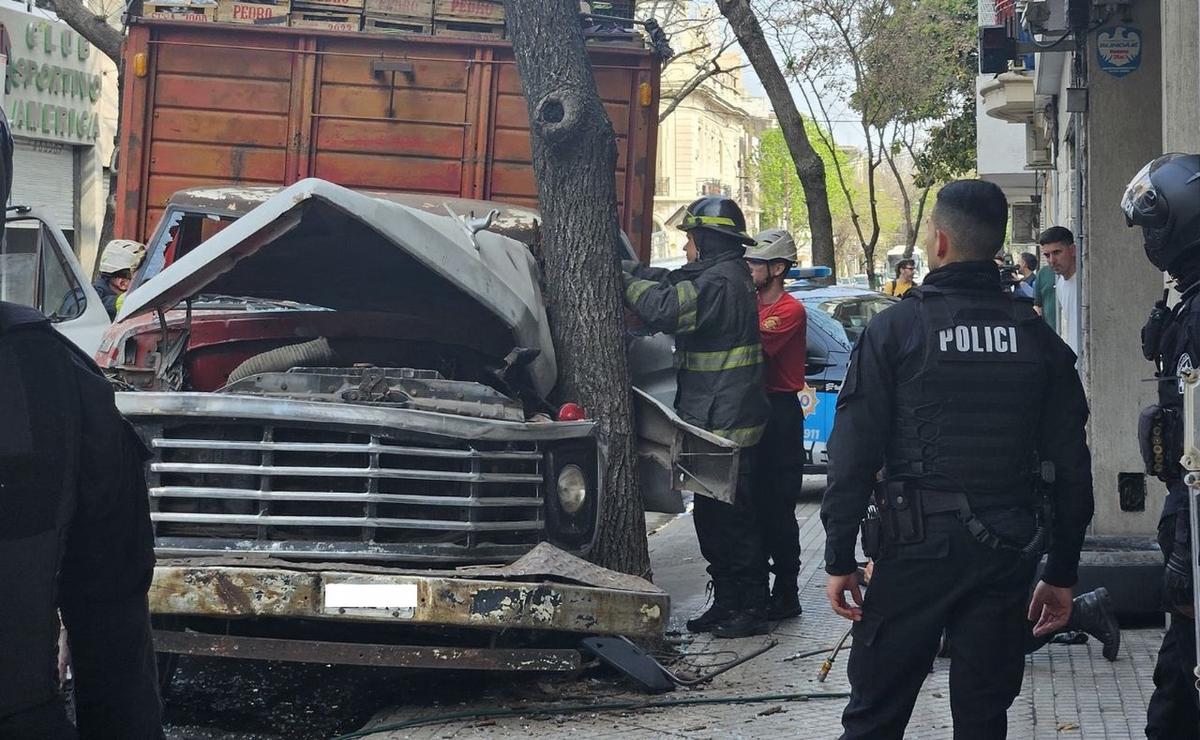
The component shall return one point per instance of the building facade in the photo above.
(60, 98)
(1092, 111)
(708, 142)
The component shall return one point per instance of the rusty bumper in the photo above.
(438, 598)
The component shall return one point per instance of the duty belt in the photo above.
(944, 502)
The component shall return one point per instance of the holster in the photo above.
(872, 534)
(901, 514)
(1160, 439)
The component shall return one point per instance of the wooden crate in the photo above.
(181, 11)
(331, 6)
(467, 30)
(479, 10)
(397, 25)
(347, 22)
(422, 9)
(251, 13)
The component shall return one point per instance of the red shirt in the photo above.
(784, 328)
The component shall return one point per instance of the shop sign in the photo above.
(1119, 50)
(53, 86)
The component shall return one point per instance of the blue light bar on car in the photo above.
(808, 273)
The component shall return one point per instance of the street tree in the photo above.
(898, 66)
(920, 68)
(810, 169)
(574, 163)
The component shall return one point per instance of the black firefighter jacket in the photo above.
(709, 306)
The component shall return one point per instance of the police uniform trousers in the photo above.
(1174, 709)
(950, 582)
(777, 481)
(730, 537)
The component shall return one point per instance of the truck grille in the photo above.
(321, 493)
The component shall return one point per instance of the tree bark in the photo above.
(809, 167)
(574, 162)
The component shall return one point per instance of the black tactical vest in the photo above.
(38, 441)
(968, 420)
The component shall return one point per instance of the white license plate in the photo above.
(370, 596)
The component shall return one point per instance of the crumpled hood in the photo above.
(322, 244)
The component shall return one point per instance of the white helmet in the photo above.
(121, 254)
(773, 244)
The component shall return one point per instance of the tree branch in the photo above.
(697, 80)
(89, 25)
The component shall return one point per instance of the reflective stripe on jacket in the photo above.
(709, 306)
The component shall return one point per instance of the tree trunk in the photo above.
(920, 219)
(574, 162)
(809, 167)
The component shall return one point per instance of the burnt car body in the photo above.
(345, 399)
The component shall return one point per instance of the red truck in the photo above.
(345, 387)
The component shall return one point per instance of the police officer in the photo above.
(779, 471)
(964, 398)
(1164, 199)
(708, 305)
(75, 538)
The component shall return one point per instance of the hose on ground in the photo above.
(316, 353)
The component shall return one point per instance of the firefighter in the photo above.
(964, 398)
(119, 260)
(708, 305)
(1164, 200)
(779, 473)
(75, 538)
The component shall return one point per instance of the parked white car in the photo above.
(38, 268)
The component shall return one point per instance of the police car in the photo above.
(837, 315)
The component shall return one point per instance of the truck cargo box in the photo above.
(216, 104)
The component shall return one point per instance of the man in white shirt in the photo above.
(1058, 247)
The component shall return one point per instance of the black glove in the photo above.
(1177, 578)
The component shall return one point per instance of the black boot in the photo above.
(785, 599)
(1092, 613)
(749, 617)
(722, 595)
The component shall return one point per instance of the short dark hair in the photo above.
(903, 264)
(974, 214)
(1030, 259)
(1055, 235)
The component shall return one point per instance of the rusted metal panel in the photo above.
(444, 599)
(394, 656)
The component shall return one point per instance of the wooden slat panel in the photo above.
(246, 129)
(207, 160)
(448, 75)
(418, 105)
(224, 94)
(380, 172)
(229, 61)
(389, 138)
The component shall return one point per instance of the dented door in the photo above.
(674, 456)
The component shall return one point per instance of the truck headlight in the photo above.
(572, 488)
